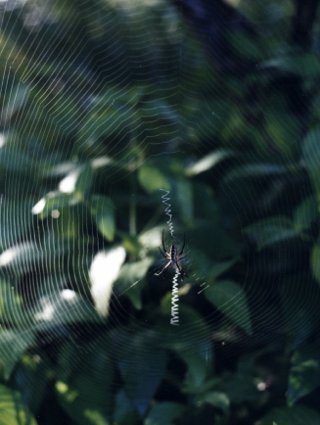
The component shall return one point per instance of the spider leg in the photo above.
(183, 245)
(164, 268)
(179, 268)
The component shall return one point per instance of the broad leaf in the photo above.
(12, 345)
(102, 210)
(217, 399)
(164, 413)
(130, 280)
(184, 199)
(152, 179)
(12, 410)
(86, 383)
(63, 308)
(231, 300)
(271, 230)
(311, 158)
(15, 220)
(315, 262)
(104, 271)
(196, 352)
(142, 361)
(296, 415)
(207, 162)
(305, 214)
(304, 375)
(51, 203)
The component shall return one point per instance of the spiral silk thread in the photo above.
(168, 210)
(175, 300)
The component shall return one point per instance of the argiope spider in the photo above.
(173, 256)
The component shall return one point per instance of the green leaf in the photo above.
(239, 387)
(306, 65)
(12, 345)
(304, 375)
(152, 179)
(271, 230)
(62, 308)
(12, 409)
(230, 299)
(11, 312)
(86, 383)
(296, 415)
(207, 162)
(130, 280)
(247, 46)
(257, 170)
(84, 180)
(183, 199)
(283, 128)
(164, 413)
(30, 378)
(124, 412)
(16, 99)
(142, 361)
(220, 268)
(53, 201)
(311, 158)
(196, 353)
(302, 306)
(20, 259)
(305, 214)
(102, 210)
(78, 181)
(101, 282)
(315, 262)
(15, 220)
(216, 399)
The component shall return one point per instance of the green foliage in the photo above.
(102, 210)
(304, 374)
(118, 123)
(228, 297)
(88, 396)
(13, 411)
(295, 416)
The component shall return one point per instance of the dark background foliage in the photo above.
(106, 107)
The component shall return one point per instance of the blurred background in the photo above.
(128, 126)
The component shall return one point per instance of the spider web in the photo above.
(98, 101)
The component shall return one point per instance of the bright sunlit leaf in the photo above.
(205, 163)
(13, 411)
(104, 270)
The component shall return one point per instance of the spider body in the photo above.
(173, 256)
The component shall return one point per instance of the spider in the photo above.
(173, 256)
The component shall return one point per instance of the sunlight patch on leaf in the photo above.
(205, 163)
(104, 270)
(13, 411)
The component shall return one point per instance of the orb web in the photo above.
(100, 102)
